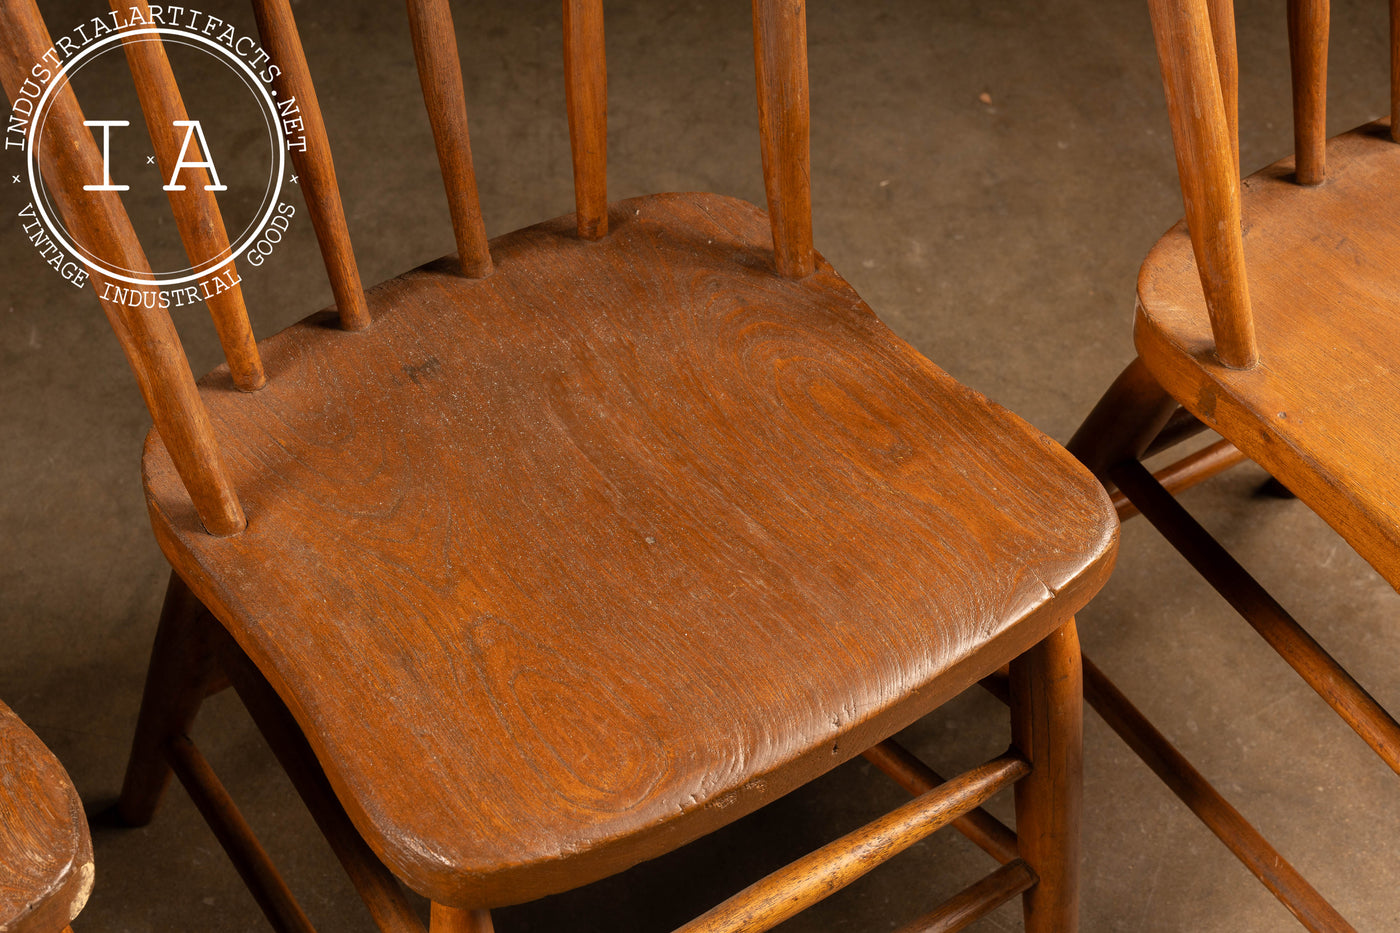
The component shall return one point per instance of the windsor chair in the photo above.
(45, 852)
(548, 557)
(1268, 316)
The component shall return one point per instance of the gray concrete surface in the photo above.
(999, 233)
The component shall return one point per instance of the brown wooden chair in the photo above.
(45, 852)
(564, 551)
(1269, 316)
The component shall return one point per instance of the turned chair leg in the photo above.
(1047, 726)
(180, 675)
(1124, 422)
(452, 920)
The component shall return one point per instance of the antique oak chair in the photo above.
(546, 558)
(45, 851)
(1268, 315)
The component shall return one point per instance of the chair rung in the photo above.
(907, 770)
(1283, 633)
(976, 900)
(236, 836)
(1209, 806)
(1187, 472)
(800, 884)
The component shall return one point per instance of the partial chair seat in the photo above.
(45, 851)
(1321, 411)
(670, 523)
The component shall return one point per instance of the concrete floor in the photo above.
(1000, 234)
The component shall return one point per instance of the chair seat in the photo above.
(618, 544)
(45, 851)
(1321, 411)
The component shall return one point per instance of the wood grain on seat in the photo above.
(611, 545)
(45, 852)
(1319, 412)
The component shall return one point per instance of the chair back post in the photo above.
(586, 96)
(784, 117)
(313, 162)
(1205, 160)
(196, 210)
(1307, 55)
(440, 73)
(69, 155)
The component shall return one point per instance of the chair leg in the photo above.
(453, 920)
(180, 674)
(1047, 726)
(1124, 422)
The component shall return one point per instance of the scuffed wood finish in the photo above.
(196, 211)
(278, 30)
(1205, 162)
(440, 74)
(1047, 726)
(552, 572)
(784, 117)
(1320, 415)
(45, 854)
(1307, 51)
(586, 95)
(630, 575)
(815, 876)
(98, 219)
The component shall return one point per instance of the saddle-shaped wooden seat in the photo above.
(618, 543)
(542, 560)
(1319, 411)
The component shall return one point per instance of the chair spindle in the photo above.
(196, 210)
(440, 73)
(313, 162)
(1307, 54)
(147, 335)
(784, 116)
(1205, 163)
(586, 95)
(1227, 64)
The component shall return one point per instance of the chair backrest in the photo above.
(1200, 72)
(71, 159)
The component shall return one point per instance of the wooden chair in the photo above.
(1269, 316)
(546, 558)
(45, 852)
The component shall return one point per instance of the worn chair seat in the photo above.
(1321, 411)
(45, 852)
(605, 456)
